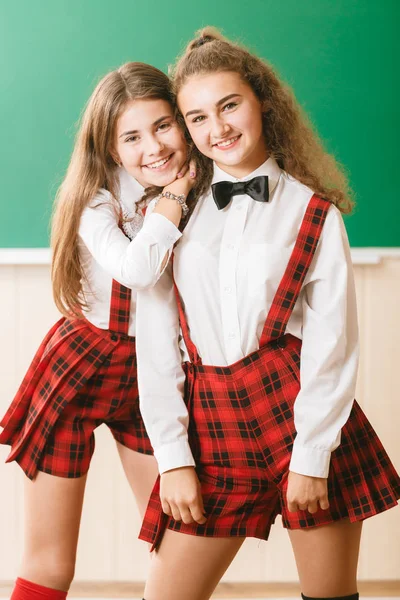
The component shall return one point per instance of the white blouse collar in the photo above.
(131, 191)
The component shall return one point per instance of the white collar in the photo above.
(130, 190)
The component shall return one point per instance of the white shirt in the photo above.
(227, 266)
(106, 253)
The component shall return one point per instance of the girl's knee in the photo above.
(47, 569)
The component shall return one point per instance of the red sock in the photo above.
(27, 590)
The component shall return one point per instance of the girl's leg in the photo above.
(327, 558)
(141, 472)
(53, 507)
(187, 566)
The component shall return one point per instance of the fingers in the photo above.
(198, 516)
(186, 515)
(310, 505)
(324, 502)
(186, 512)
(192, 513)
(306, 493)
(292, 506)
(166, 507)
(181, 497)
(188, 169)
(192, 169)
(182, 172)
(171, 509)
(197, 510)
(176, 512)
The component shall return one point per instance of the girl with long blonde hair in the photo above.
(84, 373)
(262, 287)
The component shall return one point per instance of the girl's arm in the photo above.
(137, 263)
(140, 262)
(160, 375)
(329, 354)
(161, 384)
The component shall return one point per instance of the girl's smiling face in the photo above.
(224, 118)
(149, 143)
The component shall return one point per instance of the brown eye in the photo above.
(230, 105)
(164, 126)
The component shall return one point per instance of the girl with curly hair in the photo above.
(261, 419)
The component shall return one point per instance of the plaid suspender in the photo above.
(120, 308)
(290, 286)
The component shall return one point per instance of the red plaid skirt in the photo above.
(242, 431)
(80, 377)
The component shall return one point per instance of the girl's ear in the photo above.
(115, 157)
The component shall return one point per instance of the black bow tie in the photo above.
(257, 188)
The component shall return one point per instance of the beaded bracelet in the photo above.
(179, 199)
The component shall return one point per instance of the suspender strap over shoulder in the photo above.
(191, 348)
(300, 260)
(291, 283)
(120, 308)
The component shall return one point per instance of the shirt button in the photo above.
(239, 207)
(231, 246)
(228, 290)
(232, 335)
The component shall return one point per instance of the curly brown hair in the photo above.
(289, 134)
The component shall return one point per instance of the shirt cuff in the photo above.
(310, 461)
(174, 455)
(162, 229)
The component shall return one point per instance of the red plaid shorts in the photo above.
(241, 431)
(80, 377)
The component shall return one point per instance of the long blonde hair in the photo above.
(289, 135)
(92, 167)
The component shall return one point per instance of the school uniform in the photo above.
(84, 372)
(264, 294)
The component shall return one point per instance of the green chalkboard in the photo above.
(340, 56)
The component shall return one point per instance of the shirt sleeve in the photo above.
(329, 354)
(137, 263)
(160, 375)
